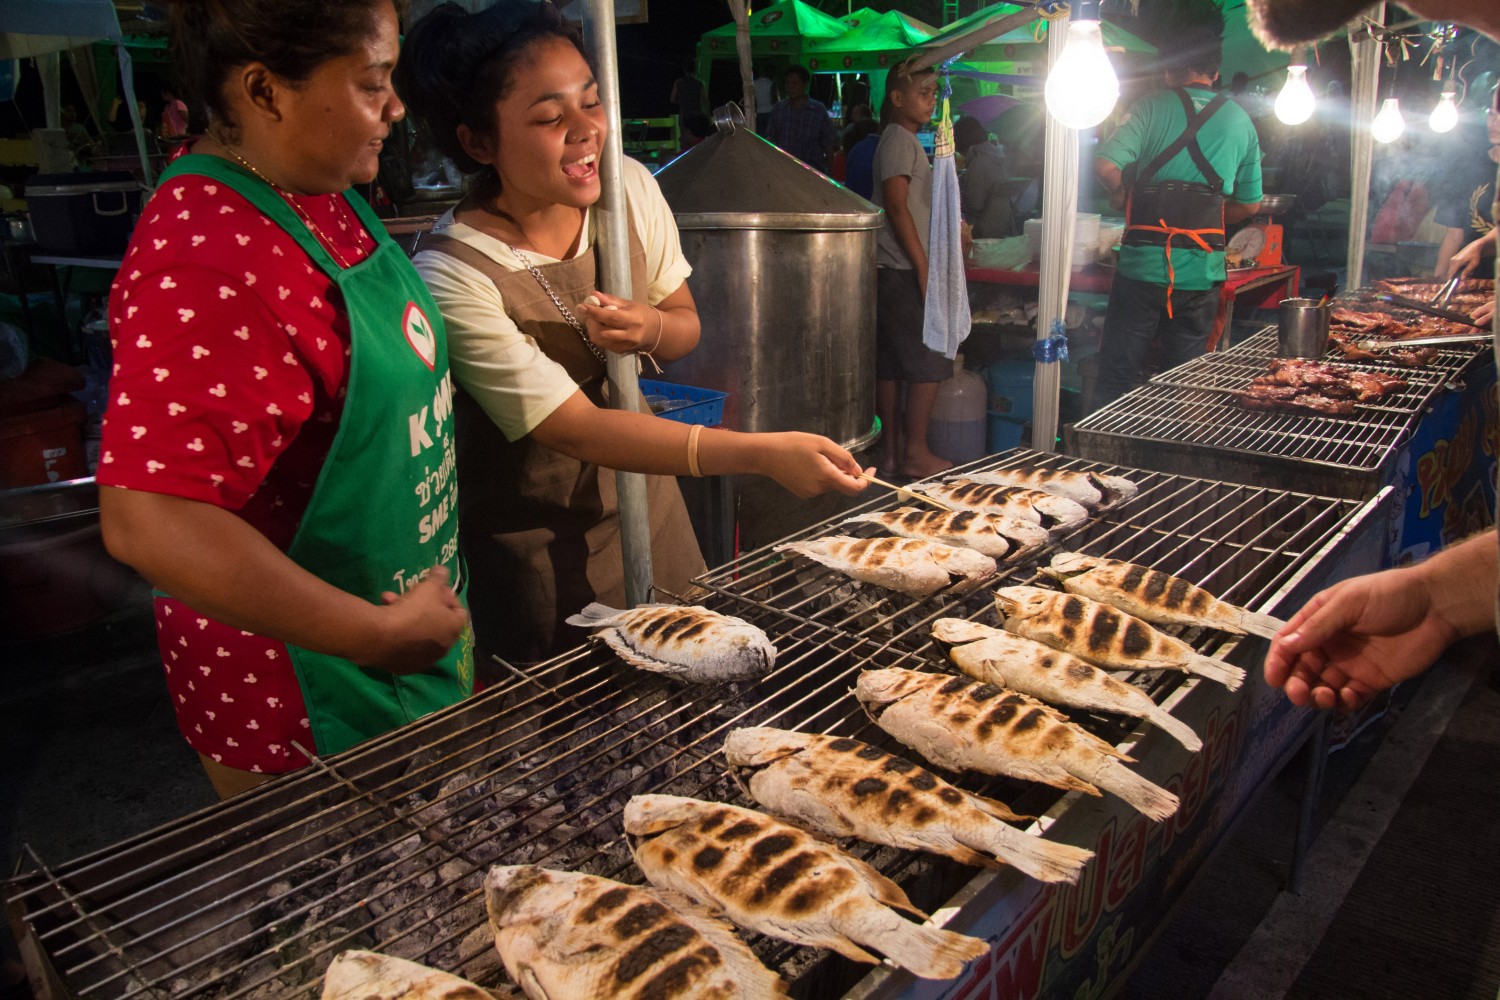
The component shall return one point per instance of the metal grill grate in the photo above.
(1229, 371)
(384, 846)
(1450, 362)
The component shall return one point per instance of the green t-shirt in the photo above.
(1229, 142)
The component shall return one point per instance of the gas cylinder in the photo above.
(956, 430)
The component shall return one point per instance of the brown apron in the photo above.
(540, 531)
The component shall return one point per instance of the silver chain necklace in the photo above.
(567, 313)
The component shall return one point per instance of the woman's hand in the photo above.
(1466, 260)
(620, 325)
(809, 464)
(419, 626)
(1484, 315)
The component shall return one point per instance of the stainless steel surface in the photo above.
(612, 244)
(1276, 204)
(783, 273)
(1446, 292)
(1457, 338)
(1227, 371)
(383, 846)
(1302, 328)
(1430, 310)
(1450, 363)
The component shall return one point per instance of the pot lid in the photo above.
(737, 180)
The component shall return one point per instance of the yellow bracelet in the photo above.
(692, 451)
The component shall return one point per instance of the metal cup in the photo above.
(1303, 329)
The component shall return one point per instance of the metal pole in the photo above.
(1364, 99)
(1059, 208)
(612, 245)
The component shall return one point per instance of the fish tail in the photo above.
(593, 616)
(1151, 800)
(1264, 626)
(1215, 670)
(1175, 728)
(929, 952)
(1043, 860)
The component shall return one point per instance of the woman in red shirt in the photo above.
(277, 454)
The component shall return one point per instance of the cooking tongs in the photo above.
(1446, 292)
(1452, 338)
(1429, 309)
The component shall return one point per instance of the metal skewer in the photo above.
(902, 489)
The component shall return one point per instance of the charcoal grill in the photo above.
(384, 846)
(1450, 363)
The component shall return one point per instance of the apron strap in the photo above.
(1188, 140)
(1196, 235)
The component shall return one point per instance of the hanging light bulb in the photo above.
(1294, 105)
(1445, 115)
(1082, 87)
(1388, 125)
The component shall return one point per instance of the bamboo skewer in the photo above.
(911, 493)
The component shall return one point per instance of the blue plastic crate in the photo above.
(1005, 432)
(686, 404)
(1010, 384)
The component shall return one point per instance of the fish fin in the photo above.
(1150, 800)
(996, 808)
(1264, 626)
(526, 978)
(1175, 728)
(1043, 860)
(593, 616)
(928, 952)
(960, 630)
(1103, 746)
(968, 856)
(882, 888)
(872, 517)
(843, 945)
(1226, 674)
(1069, 783)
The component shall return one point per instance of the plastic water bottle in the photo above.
(956, 431)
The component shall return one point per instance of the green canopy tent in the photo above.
(781, 33)
(874, 42)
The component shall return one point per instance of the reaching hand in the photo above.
(1466, 260)
(808, 464)
(1358, 637)
(620, 325)
(420, 625)
(1485, 314)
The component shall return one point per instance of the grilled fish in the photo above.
(1091, 489)
(688, 643)
(1051, 512)
(961, 724)
(778, 880)
(1153, 595)
(1105, 636)
(582, 937)
(846, 788)
(995, 535)
(911, 566)
(994, 656)
(364, 975)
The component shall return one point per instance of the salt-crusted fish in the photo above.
(997, 657)
(1103, 635)
(846, 788)
(995, 535)
(364, 975)
(776, 879)
(911, 566)
(1091, 489)
(1154, 596)
(1050, 511)
(960, 724)
(580, 937)
(688, 643)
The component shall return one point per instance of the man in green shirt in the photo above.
(1185, 162)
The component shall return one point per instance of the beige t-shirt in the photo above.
(502, 368)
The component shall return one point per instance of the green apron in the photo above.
(396, 431)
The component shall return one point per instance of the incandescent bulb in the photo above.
(1082, 87)
(1388, 125)
(1294, 105)
(1445, 115)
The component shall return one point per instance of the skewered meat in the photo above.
(846, 788)
(961, 724)
(997, 657)
(911, 566)
(776, 879)
(1089, 489)
(995, 535)
(689, 643)
(562, 934)
(1053, 512)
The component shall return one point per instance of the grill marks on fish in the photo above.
(916, 567)
(1092, 490)
(582, 936)
(689, 643)
(363, 975)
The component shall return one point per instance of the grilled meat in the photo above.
(1052, 512)
(688, 643)
(1105, 636)
(994, 535)
(1292, 400)
(582, 937)
(364, 975)
(845, 788)
(1328, 380)
(911, 566)
(1088, 489)
(776, 879)
(997, 657)
(961, 724)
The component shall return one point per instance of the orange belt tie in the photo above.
(1196, 235)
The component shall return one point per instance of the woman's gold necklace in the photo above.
(286, 196)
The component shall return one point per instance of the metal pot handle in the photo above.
(728, 118)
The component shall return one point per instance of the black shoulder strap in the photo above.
(1189, 140)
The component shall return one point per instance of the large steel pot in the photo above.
(784, 277)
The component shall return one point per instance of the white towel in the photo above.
(945, 320)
